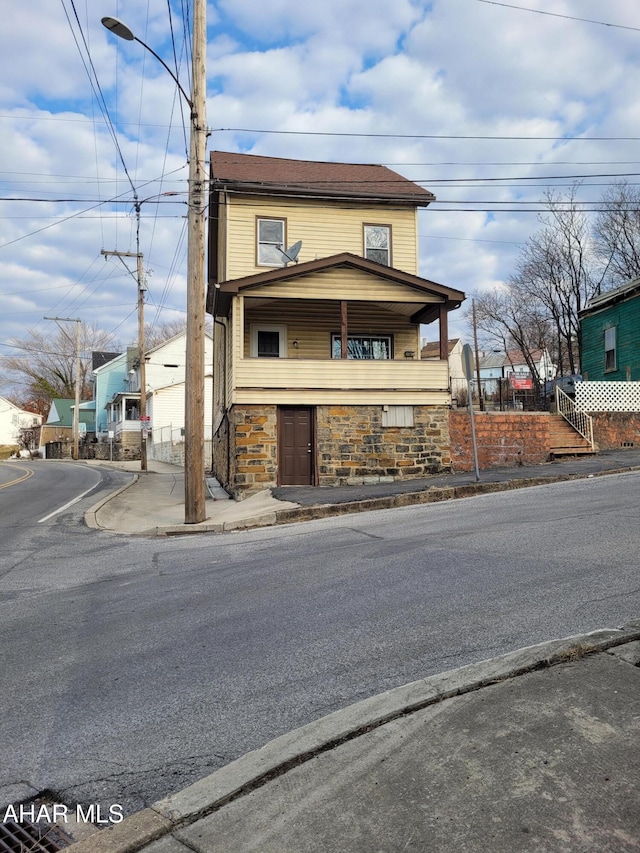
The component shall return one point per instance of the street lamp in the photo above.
(194, 485)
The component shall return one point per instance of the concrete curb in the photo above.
(280, 755)
(402, 499)
(90, 516)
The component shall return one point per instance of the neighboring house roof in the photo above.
(100, 358)
(491, 361)
(170, 340)
(432, 349)
(626, 291)
(279, 176)
(424, 314)
(516, 357)
(61, 414)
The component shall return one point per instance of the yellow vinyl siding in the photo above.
(311, 382)
(343, 283)
(311, 324)
(325, 228)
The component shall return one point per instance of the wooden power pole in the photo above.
(141, 351)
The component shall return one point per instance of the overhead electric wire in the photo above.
(559, 15)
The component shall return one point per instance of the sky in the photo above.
(488, 105)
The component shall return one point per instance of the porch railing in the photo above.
(580, 420)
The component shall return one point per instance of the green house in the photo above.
(610, 326)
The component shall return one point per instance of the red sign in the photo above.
(521, 383)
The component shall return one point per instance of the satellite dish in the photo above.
(292, 252)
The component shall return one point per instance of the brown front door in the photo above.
(295, 446)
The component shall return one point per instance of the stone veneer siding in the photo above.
(253, 449)
(354, 447)
(503, 439)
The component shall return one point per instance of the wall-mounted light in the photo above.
(296, 344)
(409, 353)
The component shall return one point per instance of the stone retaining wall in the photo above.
(503, 439)
(616, 430)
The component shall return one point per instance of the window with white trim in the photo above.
(268, 341)
(377, 244)
(368, 347)
(271, 237)
(610, 357)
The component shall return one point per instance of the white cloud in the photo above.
(432, 71)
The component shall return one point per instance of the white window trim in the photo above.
(261, 327)
(613, 349)
(260, 242)
(364, 238)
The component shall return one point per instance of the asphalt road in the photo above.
(132, 667)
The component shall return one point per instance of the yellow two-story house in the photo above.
(317, 306)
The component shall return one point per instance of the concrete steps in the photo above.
(565, 441)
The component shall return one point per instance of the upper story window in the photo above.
(377, 243)
(610, 358)
(271, 237)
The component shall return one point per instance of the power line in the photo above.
(558, 15)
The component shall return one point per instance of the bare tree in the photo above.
(156, 335)
(556, 274)
(617, 234)
(44, 364)
(507, 323)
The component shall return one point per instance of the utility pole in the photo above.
(475, 343)
(194, 484)
(141, 350)
(76, 409)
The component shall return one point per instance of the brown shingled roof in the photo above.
(279, 176)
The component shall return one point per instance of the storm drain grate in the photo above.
(28, 837)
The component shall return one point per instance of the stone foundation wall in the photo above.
(503, 439)
(220, 464)
(354, 447)
(104, 451)
(253, 449)
(616, 430)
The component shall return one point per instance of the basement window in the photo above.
(397, 416)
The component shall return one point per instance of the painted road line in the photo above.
(67, 505)
(27, 473)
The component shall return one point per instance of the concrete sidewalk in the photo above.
(153, 502)
(537, 750)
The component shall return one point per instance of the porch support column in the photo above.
(443, 321)
(344, 352)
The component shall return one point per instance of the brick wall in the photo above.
(613, 430)
(503, 438)
(354, 447)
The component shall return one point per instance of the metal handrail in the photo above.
(581, 421)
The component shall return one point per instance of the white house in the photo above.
(457, 379)
(165, 369)
(12, 420)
